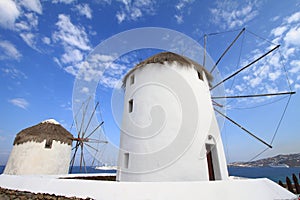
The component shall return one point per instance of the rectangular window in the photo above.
(200, 76)
(130, 106)
(48, 144)
(126, 160)
(132, 79)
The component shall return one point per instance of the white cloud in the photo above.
(292, 37)
(133, 10)
(255, 81)
(71, 35)
(279, 30)
(63, 1)
(294, 18)
(100, 68)
(20, 102)
(32, 19)
(84, 10)
(9, 51)
(229, 14)
(22, 26)
(274, 75)
(295, 66)
(179, 19)
(32, 5)
(75, 43)
(27, 25)
(85, 90)
(71, 56)
(28, 39)
(46, 40)
(120, 17)
(8, 13)
(14, 73)
(181, 7)
(275, 18)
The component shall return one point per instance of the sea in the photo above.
(273, 173)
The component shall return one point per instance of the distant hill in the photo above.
(289, 160)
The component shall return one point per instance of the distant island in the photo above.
(289, 160)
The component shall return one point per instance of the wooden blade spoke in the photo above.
(254, 95)
(226, 50)
(244, 129)
(73, 157)
(91, 140)
(90, 119)
(81, 156)
(243, 68)
(95, 129)
(91, 147)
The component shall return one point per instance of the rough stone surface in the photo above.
(7, 194)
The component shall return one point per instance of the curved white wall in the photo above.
(165, 135)
(34, 158)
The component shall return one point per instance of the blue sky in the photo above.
(44, 43)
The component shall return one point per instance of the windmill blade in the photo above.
(255, 95)
(217, 104)
(244, 129)
(90, 119)
(95, 129)
(73, 157)
(227, 49)
(83, 160)
(76, 117)
(81, 157)
(83, 117)
(204, 55)
(92, 147)
(97, 141)
(245, 67)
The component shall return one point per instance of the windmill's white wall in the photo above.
(166, 133)
(33, 158)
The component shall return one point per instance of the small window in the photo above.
(48, 144)
(130, 106)
(126, 160)
(132, 79)
(200, 76)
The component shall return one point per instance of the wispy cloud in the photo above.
(29, 39)
(232, 14)
(9, 51)
(181, 8)
(70, 34)
(288, 34)
(71, 55)
(32, 5)
(19, 102)
(74, 40)
(46, 40)
(13, 73)
(133, 10)
(63, 1)
(84, 10)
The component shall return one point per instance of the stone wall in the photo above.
(7, 194)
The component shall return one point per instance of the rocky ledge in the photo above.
(7, 194)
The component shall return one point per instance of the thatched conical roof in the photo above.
(170, 57)
(47, 130)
